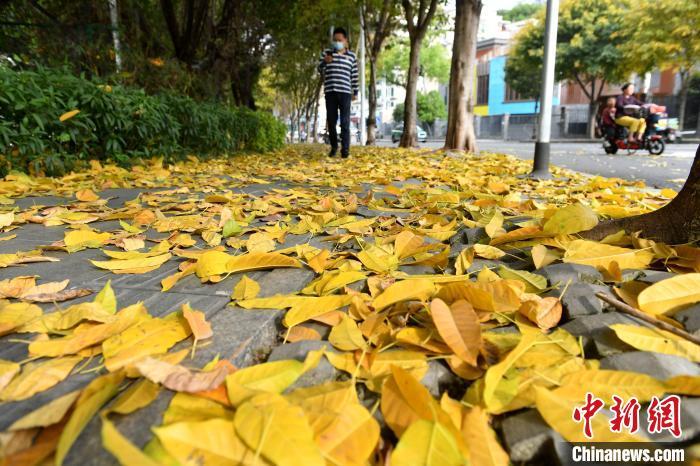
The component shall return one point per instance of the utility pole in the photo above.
(114, 18)
(363, 126)
(540, 167)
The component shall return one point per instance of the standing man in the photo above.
(339, 68)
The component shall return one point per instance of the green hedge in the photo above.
(115, 123)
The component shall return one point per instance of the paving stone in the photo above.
(657, 365)
(654, 276)
(323, 372)
(562, 273)
(439, 379)
(580, 300)
(245, 337)
(366, 212)
(417, 269)
(44, 201)
(690, 318)
(598, 338)
(527, 436)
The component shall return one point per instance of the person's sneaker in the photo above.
(345, 155)
(332, 152)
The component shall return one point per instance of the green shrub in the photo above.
(115, 123)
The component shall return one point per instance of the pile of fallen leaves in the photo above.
(395, 289)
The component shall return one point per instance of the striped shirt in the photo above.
(340, 74)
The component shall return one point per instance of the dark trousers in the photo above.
(339, 102)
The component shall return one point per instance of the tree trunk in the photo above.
(316, 99)
(592, 104)
(460, 109)
(408, 138)
(677, 222)
(685, 81)
(372, 111)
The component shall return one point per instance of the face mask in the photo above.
(338, 45)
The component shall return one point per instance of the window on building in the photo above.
(482, 83)
(379, 93)
(482, 90)
(392, 91)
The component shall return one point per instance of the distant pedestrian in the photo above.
(338, 65)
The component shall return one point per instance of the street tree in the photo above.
(380, 18)
(520, 12)
(678, 222)
(665, 36)
(460, 119)
(591, 42)
(418, 15)
(524, 63)
(434, 61)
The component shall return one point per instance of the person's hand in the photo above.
(328, 58)
(354, 97)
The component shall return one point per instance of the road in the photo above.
(670, 169)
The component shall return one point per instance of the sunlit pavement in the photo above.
(667, 170)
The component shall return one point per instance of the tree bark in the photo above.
(317, 97)
(417, 22)
(677, 222)
(685, 81)
(372, 111)
(460, 108)
(410, 110)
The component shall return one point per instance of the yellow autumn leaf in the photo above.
(48, 414)
(123, 450)
(488, 252)
(269, 377)
(201, 329)
(212, 441)
(106, 298)
(146, 338)
(278, 430)
(139, 394)
(601, 255)
(533, 282)
(15, 315)
(37, 377)
(181, 379)
(573, 218)
(671, 294)
(459, 327)
(606, 383)
(495, 226)
(657, 340)
(140, 265)
(545, 312)
(427, 443)
(96, 394)
(246, 288)
(77, 341)
(481, 440)
(404, 290)
(8, 370)
(346, 336)
(6, 219)
(68, 115)
(78, 240)
(543, 256)
(86, 195)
